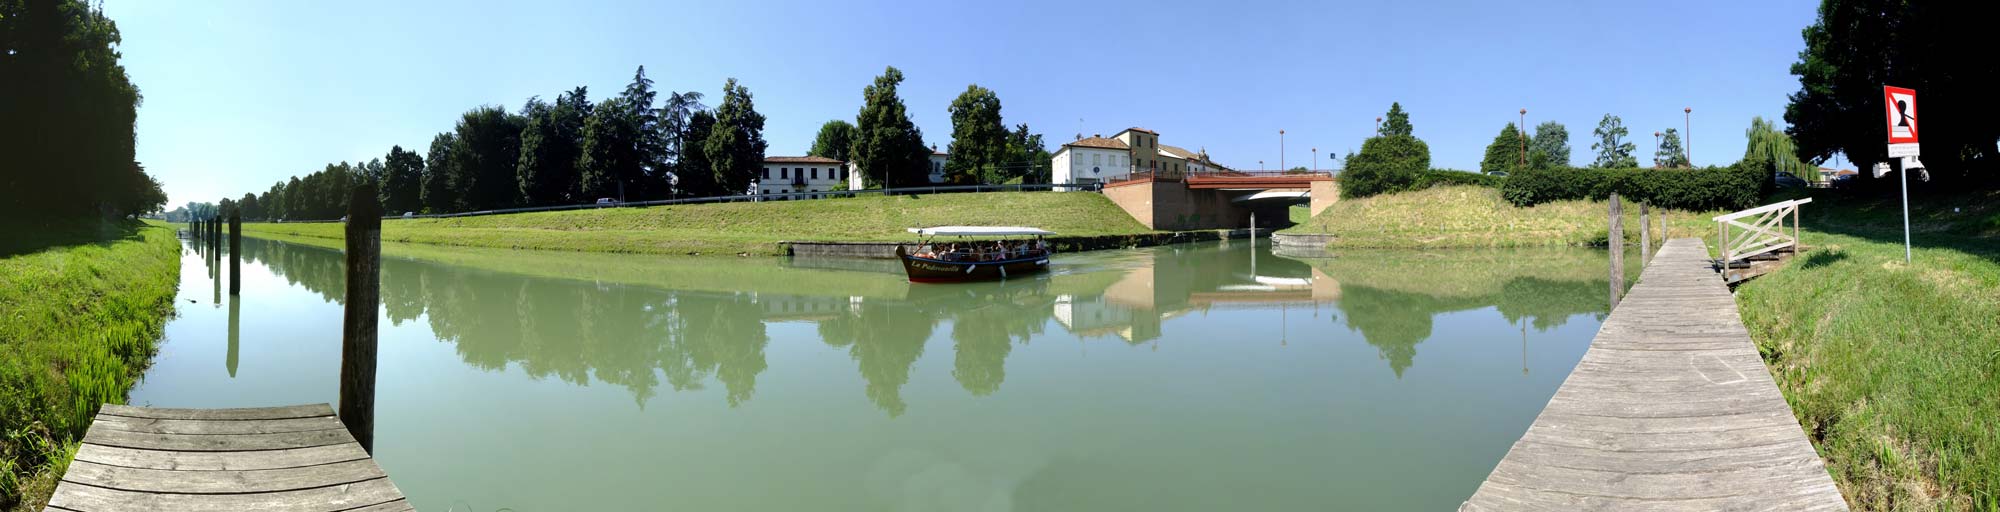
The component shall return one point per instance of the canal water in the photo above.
(1189, 377)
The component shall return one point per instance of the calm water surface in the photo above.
(1194, 377)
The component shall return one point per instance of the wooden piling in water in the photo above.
(235, 254)
(357, 346)
(1617, 243)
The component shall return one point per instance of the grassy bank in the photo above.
(81, 307)
(746, 228)
(1893, 368)
(1468, 216)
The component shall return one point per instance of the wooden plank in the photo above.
(337, 498)
(220, 482)
(219, 461)
(253, 413)
(216, 443)
(212, 427)
(393, 506)
(1671, 408)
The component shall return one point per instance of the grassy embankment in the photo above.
(81, 307)
(1892, 368)
(746, 228)
(1470, 216)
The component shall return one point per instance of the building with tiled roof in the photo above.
(800, 174)
(1097, 159)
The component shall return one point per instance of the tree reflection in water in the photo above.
(519, 308)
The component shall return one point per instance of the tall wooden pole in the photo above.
(235, 254)
(1645, 234)
(1617, 243)
(357, 340)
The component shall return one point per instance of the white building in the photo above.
(800, 174)
(938, 158)
(1097, 159)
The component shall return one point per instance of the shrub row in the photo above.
(1710, 188)
(1437, 177)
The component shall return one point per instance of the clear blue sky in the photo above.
(240, 94)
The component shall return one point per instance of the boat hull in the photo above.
(924, 270)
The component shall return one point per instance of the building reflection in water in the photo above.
(643, 323)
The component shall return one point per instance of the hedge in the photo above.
(1711, 188)
(1437, 177)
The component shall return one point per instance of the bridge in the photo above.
(1220, 199)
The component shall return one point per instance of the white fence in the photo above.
(1764, 233)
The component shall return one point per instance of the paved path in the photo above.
(279, 458)
(1670, 409)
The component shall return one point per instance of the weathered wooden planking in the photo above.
(254, 413)
(1670, 409)
(212, 482)
(283, 458)
(216, 443)
(219, 461)
(85, 498)
(212, 427)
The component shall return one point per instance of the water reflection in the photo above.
(635, 322)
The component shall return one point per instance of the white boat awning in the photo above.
(980, 231)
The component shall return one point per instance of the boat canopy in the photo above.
(980, 231)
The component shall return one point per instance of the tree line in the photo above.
(67, 109)
(637, 146)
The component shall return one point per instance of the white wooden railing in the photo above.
(1765, 231)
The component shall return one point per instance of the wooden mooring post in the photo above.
(1617, 243)
(357, 340)
(1645, 234)
(235, 254)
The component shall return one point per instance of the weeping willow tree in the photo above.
(1768, 143)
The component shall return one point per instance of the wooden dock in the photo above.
(279, 458)
(1671, 408)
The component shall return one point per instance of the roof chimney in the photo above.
(1097, 135)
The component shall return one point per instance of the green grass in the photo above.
(1470, 216)
(81, 308)
(746, 228)
(1892, 368)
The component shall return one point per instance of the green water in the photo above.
(1194, 377)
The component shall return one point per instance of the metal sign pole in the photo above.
(1906, 214)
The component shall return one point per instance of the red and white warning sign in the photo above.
(1901, 105)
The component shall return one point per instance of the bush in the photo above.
(1385, 164)
(1439, 177)
(1712, 188)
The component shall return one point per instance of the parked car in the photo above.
(1787, 180)
(606, 201)
(1497, 174)
(409, 215)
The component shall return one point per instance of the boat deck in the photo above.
(297, 458)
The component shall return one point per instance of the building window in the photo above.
(815, 174)
(767, 173)
(784, 173)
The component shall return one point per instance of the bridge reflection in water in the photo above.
(641, 322)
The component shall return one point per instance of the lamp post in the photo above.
(1656, 150)
(1260, 166)
(1687, 135)
(1524, 137)
(1315, 158)
(1378, 125)
(1281, 150)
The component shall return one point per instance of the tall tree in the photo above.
(1396, 122)
(1769, 144)
(735, 148)
(1670, 154)
(1549, 146)
(1857, 46)
(1027, 156)
(1612, 149)
(551, 143)
(437, 194)
(609, 166)
(487, 152)
(67, 110)
(888, 149)
(649, 147)
(978, 140)
(250, 207)
(695, 176)
(835, 140)
(675, 116)
(1505, 153)
(402, 181)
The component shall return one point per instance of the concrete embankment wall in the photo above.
(1303, 241)
(1062, 243)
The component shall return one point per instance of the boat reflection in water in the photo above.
(1189, 377)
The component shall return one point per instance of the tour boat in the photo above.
(977, 253)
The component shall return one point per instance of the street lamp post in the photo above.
(1281, 150)
(1656, 150)
(1378, 125)
(1315, 158)
(1524, 138)
(1260, 166)
(1687, 135)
